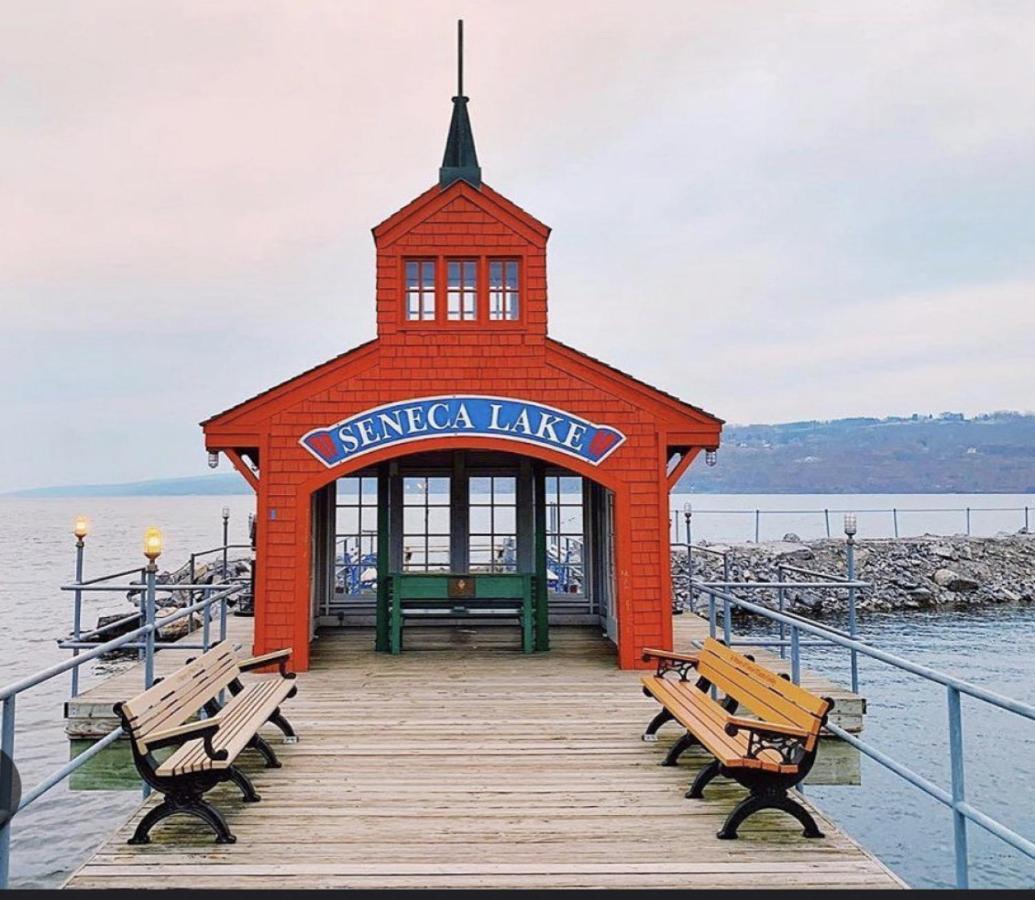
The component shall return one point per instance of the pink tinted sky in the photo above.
(776, 210)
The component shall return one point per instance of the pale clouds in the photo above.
(776, 210)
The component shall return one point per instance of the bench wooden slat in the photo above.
(177, 698)
(697, 714)
(794, 693)
(239, 720)
(768, 697)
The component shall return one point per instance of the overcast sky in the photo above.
(774, 210)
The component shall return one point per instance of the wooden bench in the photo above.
(482, 595)
(206, 748)
(768, 755)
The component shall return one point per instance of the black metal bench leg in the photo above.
(190, 806)
(777, 800)
(284, 725)
(651, 734)
(704, 777)
(678, 749)
(262, 745)
(244, 783)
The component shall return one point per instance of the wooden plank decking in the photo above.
(478, 768)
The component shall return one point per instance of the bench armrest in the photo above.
(174, 737)
(276, 656)
(786, 740)
(669, 660)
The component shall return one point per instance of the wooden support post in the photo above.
(542, 591)
(383, 561)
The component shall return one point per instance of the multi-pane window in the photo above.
(420, 290)
(565, 534)
(493, 524)
(461, 290)
(355, 535)
(426, 524)
(503, 289)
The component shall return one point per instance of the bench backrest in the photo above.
(178, 696)
(766, 694)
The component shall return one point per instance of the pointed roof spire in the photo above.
(460, 160)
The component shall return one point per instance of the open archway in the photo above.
(476, 514)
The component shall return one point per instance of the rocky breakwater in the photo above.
(904, 573)
(167, 602)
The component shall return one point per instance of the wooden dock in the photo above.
(478, 769)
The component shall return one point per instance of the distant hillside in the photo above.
(993, 453)
(228, 483)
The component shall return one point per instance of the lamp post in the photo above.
(688, 514)
(851, 527)
(152, 550)
(226, 571)
(80, 530)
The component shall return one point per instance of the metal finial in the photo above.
(459, 57)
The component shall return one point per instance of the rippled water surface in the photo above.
(907, 718)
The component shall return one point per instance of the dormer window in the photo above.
(420, 290)
(462, 290)
(503, 290)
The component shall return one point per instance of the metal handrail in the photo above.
(84, 650)
(894, 511)
(955, 687)
(813, 573)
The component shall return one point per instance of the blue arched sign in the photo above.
(462, 416)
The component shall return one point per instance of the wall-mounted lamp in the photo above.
(711, 457)
(213, 459)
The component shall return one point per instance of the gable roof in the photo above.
(670, 400)
(434, 198)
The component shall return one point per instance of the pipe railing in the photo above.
(954, 797)
(894, 512)
(87, 646)
(141, 637)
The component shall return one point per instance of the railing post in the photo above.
(758, 516)
(77, 615)
(894, 516)
(190, 595)
(826, 515)
(959, 821)
(6, 784)
(711, 615)
(852, 623)
(968, 521)
(206, 618)
(795, 656)
(149, 620)
(142, 604)
(727, 630)
(781, 599)
(222, 619)
(1026, 518)
(688, 515)
(226, 540)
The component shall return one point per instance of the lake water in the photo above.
(906, 716)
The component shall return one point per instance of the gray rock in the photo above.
(953, 581)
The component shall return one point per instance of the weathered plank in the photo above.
(478, 769)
